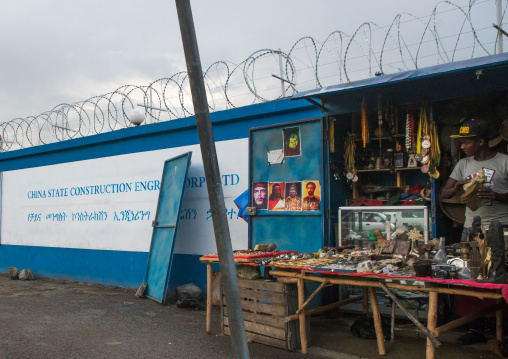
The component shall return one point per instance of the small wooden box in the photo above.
(265, 304)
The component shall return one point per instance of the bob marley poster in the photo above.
(293, 201)
(276, 196)
(292, 141)
(311, 196)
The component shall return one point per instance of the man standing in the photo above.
(473, 136)
(311, 202)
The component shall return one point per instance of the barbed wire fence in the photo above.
(449, 33)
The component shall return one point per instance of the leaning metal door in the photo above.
(165, 226)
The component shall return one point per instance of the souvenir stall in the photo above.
(352, 198)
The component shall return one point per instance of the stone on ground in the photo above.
(13, 273)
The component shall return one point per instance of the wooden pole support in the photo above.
(431, 323)
(324, 308)
(318, 289)
(301, 300)
(467, 319)
(365, 300)
(209, 293)
(419, 325)
(377, 321)
(375, 283)
(499, 322)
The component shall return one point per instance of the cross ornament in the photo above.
(414, 235)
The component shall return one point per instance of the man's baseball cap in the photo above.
(473, 128)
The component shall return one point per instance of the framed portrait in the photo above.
(276, 196)
(292, 141)
(260, 195)
(293, 199)
(311, 196)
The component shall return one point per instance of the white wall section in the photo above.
(110, 203)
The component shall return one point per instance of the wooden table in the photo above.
(370, 283)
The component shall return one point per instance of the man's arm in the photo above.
(451, 187)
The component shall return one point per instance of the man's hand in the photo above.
(452, 187)
(458, 186)
(486, 194)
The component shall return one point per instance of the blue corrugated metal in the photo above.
(473, 77)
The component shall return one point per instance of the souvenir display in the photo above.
(409, 133)
(251, 254)
(365, 125)
(403, 255)
(427, 143)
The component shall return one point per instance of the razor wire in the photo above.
(269, 74)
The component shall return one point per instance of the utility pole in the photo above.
(213, 179)
(499, 15)
(281, 72)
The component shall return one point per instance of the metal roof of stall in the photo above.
(472, 77)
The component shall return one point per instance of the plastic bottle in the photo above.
(372, 241)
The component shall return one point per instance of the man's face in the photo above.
(292, 193)
(276, 191)
(293, 141)
(310, 189)
(470, 146)
(259, 195)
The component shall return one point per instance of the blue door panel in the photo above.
(294, 230)
(302, 233)
(171, 190)
(166, 226)
(308, 165)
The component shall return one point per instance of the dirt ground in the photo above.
(60, 319)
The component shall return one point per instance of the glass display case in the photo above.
(357, 223)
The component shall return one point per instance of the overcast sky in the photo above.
(61, 51)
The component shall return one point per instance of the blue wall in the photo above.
(121, 268)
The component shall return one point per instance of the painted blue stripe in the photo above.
(116, 268)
